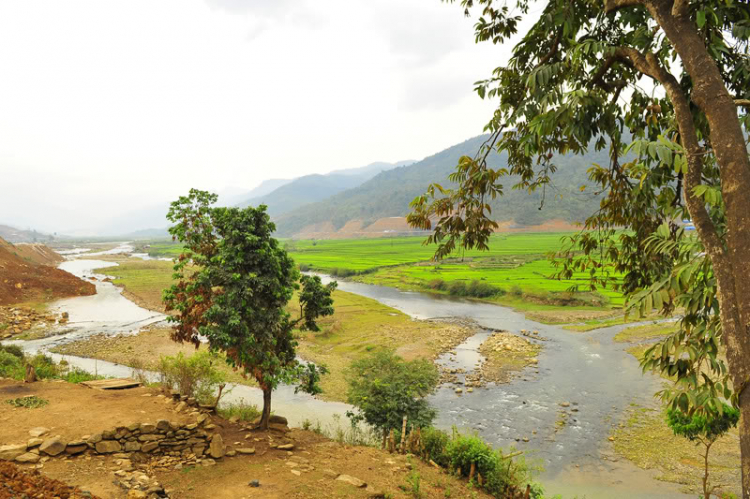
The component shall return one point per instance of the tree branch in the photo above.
(681, 8)
(742, 102)
(614, 5)
(555, 44)
(649, 65)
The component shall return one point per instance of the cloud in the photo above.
(265, 8)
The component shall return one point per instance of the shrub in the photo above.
(10, 366)
(194, 376)
(457, 288)
(437, 284)
(77, 375)
(435, 442)
(516, 291)
(13, 350)
(30, 402)
(459, 451)
(480, 289)
(384, 388)
(303, 267)
(44, 366)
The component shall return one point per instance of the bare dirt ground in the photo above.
(307, 471)
(23, 280)
(75, 410)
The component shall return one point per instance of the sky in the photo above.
(108, 107)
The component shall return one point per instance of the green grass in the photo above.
(648, 332)
(516, 266)
(144, 278)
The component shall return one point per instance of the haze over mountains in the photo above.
(373, 200)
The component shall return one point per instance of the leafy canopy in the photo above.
(234, 281)
(384, 388)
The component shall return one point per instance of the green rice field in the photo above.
(516, 267)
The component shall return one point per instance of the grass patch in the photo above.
(647, 332)
(145, 279)
(645, 439)
(241, 410)
(30, 402)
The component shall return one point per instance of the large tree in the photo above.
(665, 86)
(233, 284)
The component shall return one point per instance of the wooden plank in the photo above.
(112, 384)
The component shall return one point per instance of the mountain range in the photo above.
(381, 203)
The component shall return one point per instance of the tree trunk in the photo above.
(266, 408)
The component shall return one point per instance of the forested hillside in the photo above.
(389, 193)
(311, 188)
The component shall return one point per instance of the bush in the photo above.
(44, 366)
(384, 388)
(516, 291)
(437, 284)
(480, 289)
(11, 366)
(194, 376)
(13, 350)
(435, 442)
(457, 288)
(303, 267)
(77, 375)
(459, 451)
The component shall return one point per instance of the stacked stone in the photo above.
(191, 440)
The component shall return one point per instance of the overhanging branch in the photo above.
(613, 5)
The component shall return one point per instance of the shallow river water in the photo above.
(586, 375)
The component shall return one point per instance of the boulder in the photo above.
(217, 448)
(34, 442)
(246, 450)
(273, 419)
(10, 452)
(286, 447)
(162, 425)
(53, 446)
(108, 446)
(352, 481)
(147, 428)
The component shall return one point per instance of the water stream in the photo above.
(585, 375)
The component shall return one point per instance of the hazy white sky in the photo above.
(111, 106)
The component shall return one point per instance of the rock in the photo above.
(203, 418)
(217, 448)
(246, 450)
(297, 472)
(75, 449)
(331, 474)
(352, 481)
(28, 457)
(34, 442)
(459, 390)
(132, 446)
(273, 419)
(278, 427)
(254, 483)
(147, 428)
(53, 446)
(286, 447)
(565, 404)
(150, 446)
(108, 446)
(38, 431)
(137, 494)
(95, 439)
(180, 407)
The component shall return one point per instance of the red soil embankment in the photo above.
(24, 279)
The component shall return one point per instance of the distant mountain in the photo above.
(265, 187)
(14, 235)
(388, 195)
(312, 188)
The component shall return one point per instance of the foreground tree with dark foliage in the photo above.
(234, 282)
(664, 85)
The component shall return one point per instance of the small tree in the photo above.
(384, 388)
(234, 282)
(705, 430)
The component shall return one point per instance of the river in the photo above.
(586, 375)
